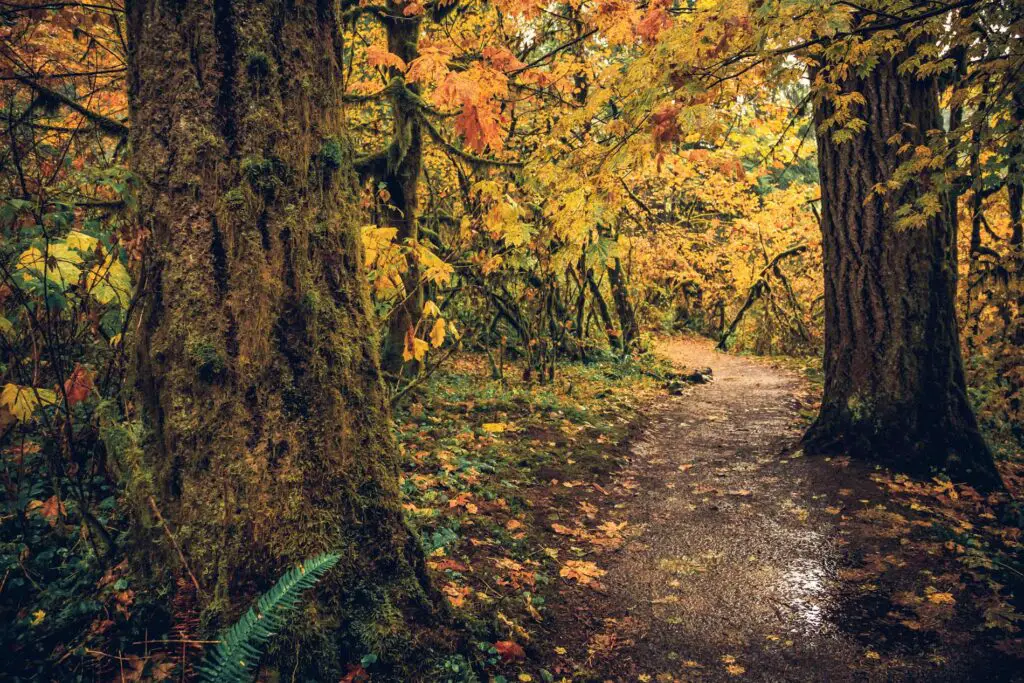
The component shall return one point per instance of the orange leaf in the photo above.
(510, 651)
(78, 385)
(379, 56)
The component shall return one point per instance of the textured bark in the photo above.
(894, 382)
(258, 371)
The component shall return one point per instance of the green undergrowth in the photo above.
(474, 450)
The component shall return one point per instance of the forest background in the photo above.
(538, 188)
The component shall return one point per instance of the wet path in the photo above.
(733, 571)
(743, 560)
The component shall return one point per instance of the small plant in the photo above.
(235, 658)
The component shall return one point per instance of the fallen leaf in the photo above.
(509, 650)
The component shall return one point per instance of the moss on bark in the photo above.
(257, 367)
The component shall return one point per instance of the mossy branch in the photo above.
(103, 123)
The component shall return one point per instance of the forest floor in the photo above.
(646, 537)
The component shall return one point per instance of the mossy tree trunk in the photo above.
(258, 373)
(894, 381)
(401, 176)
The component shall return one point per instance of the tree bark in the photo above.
(258, 373)
(623, 307)
(401, 177)
(894, 382)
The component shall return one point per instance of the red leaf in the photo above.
(78, 385)
(356, 674)
(509, 650)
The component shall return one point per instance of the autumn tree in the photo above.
(894, 379)
(258, 370)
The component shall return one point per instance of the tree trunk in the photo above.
(257, 371)
(623, 307)
(602, 309)
(894, 381)
(401, 177)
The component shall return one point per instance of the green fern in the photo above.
(235, 658)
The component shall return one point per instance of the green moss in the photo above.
(257, 65)
(234, 199)
(208, 360)
(123, 441)
(331, 154)
(311, 302)
(261, 174)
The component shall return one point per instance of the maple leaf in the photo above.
(477, 91)
(437, 333)
(377, 55)
(51, 509)
(563, 530)
(654, 22)
(356, 674)
(464, 500)
(431, 66)
(586, 573)
(415, 348)
(456, 594)
(942, 598)
(501, 59)
(479, 127)
(78, 385)
(612, 528)
(509, 650)
(109, 282)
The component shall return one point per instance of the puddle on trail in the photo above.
(806, 589)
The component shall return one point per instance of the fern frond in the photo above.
(235, 658)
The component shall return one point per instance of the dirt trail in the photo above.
(736, 560)
(733, 569)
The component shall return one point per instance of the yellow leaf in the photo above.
(110, 282)
(81, 241)
(22, 401)
(430, 310)
(493, 427)
(584, 572)
(942, 598)
(58, 265)
(415, 348)
(37, 617)
(437, 333)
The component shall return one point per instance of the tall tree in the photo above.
(258, 371)
(894, 380)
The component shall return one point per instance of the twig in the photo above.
(174, 542)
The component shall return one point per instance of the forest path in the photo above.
(734, 567)
(744, 560)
